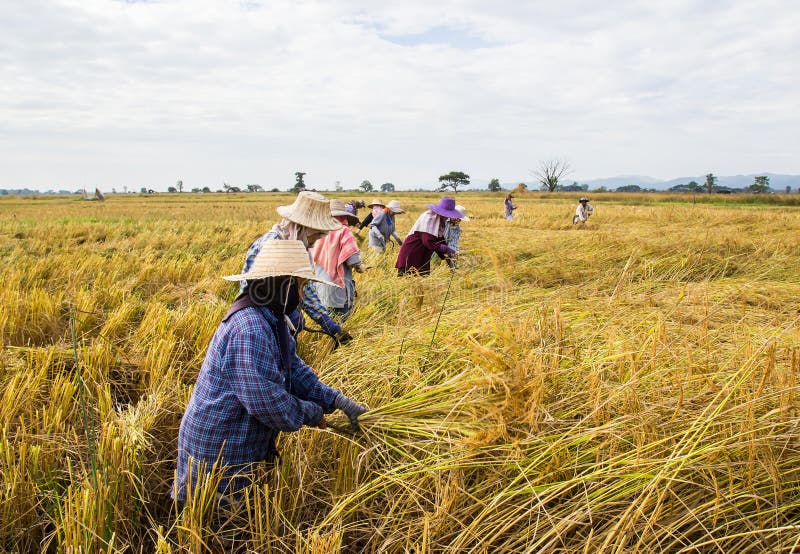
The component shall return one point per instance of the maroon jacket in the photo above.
(417, 250)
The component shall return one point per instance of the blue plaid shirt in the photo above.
(311, 304)
(452, 235)
(243, 399)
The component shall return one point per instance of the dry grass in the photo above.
(632, 387)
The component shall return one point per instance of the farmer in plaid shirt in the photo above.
(252, 384)
(307, 220)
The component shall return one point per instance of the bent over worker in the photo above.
(307, 220)
(252, 384)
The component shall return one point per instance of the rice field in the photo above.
(629, 387)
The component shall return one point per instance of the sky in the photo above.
(130, 93)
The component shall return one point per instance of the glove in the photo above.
(351, 409)
(321, 423)
(344, 337)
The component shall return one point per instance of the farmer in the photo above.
(383, 227)
(306, 220)
(426, 237)
(452, 230)
(582, 212)
(376, 207)
(509, 207)
(353, 206)
(336, 257)
(252, 384)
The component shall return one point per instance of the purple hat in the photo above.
(446, 208)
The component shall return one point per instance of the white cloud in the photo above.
(106, 92)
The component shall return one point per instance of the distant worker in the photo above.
(382, 228)
(426, 238)
(582, 212)
(307, 219)
(376, 207)
(509, 207)
(336, 257)
(353, 206)
(252, 384)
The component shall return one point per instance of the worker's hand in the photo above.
(360, 268)
(321, 423)
(344, 337)
(399, 242)
(351, 409)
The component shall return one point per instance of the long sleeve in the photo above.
(436, 244)
(306, 385)
(366, 221)
(252, 370)
(312, 306)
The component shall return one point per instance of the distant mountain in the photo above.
(621, 180)
(777, 181)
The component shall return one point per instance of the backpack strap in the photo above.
(242, 302)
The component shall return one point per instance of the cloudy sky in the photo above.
(113, 93)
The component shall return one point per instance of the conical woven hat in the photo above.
(279, 258)
(394, 206)
(311, 210)
(338, 209)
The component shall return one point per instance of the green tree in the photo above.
(711, 183)
(760, 185)
(206, 189)
(453, 180)
(180, 185)
(387, 187)
(366, 186)
(549, 173)
(494, 185)
(172, 189)
(299, 184)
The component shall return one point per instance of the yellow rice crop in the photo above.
(631, 387)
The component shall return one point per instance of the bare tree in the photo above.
(550, 171)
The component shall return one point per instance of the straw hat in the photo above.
(584, 199)
(311, 210)
(280, 258)
(463, 211)
(376, 202)
(446, 208)
(394, 206)
(338, 208)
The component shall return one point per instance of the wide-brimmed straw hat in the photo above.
(584, 199)
(339, 209)
(446, 208)
(463, 211)
(311, 210)
(280, 258)
(376, 202)
(394, 206)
